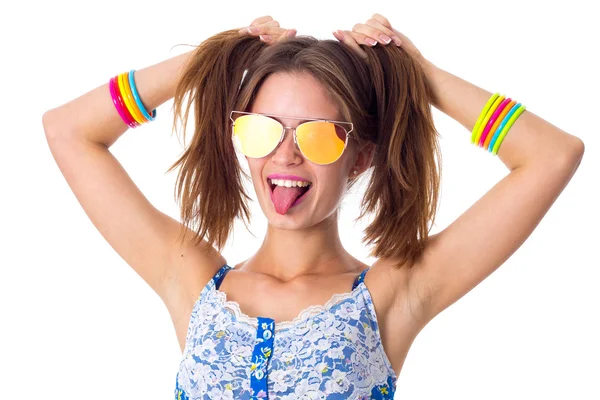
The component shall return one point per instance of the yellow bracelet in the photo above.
(506, 128)
(483, 113)
(128, 97)
(488, 139)
(487, 117)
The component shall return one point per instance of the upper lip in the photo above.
(287, 177)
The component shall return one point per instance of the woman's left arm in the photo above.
(530, 140)
(541, 158)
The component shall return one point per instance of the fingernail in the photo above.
(290, 32)
(385, 39)
(338, 35)
(253, 29)
(370, 42)
(265, 38)
(397, 41)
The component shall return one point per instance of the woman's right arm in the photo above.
(79, 134)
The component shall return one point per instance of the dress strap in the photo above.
(218, 278)
(360, 278)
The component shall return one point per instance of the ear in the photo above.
(364, 158)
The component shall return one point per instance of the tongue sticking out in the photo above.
(284, 197)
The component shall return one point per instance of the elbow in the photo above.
(573, 155)
(54, 126)
(50, 125)
(579, 153)
(566, 156)
(574, 152)
(578, 149)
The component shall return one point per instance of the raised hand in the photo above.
(377, 29)
(268, 30)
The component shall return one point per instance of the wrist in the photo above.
(157, 83)
(432, 74)
(428, 67)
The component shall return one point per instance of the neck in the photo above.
(286, 254)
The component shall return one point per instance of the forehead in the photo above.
(296, 95)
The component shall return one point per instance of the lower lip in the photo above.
(297, 201)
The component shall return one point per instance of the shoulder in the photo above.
(193, 266)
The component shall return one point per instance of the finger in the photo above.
(346, 38)
(373, 23)
(290, 33)
(388, 33)
(361, 38)
(262, 30)
(274, 31)
(401, 37)
(275, 34)
(257, 27)
(396, 36)
(261, 20)
(382, 20)
(251, 30)
(270, 23)
(370, 32)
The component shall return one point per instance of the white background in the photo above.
(77, 322)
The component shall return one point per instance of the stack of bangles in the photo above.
(127, 100)
(494, 122)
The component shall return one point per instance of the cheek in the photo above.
(332, 185)
(255, 166)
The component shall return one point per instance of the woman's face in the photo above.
(299, 95)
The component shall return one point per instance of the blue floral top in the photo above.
(328, 352)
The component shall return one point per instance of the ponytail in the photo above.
(209, 184)
(404, 184)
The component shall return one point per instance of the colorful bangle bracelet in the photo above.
(121, 100)
(492, 120)
(490, 135)
(487, 117)
(137, 98)
(511, 121)
(127, 98)
(117, 103)
(482, 115)
(131, 101)
(502, 125)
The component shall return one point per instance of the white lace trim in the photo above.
(234, 308)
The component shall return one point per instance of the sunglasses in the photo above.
(320, 141)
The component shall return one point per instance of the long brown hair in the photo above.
(387, 98)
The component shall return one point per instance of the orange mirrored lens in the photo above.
(321, 142)
(256, 135)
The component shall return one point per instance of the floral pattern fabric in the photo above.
(329, 352)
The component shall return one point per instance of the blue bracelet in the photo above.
(499, 129)
(138, 101)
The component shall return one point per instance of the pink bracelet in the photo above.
(119, 105)
(492, 120)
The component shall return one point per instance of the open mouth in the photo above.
(301, 193)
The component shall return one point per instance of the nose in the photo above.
(287, 152)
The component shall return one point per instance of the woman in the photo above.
(302, 317)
